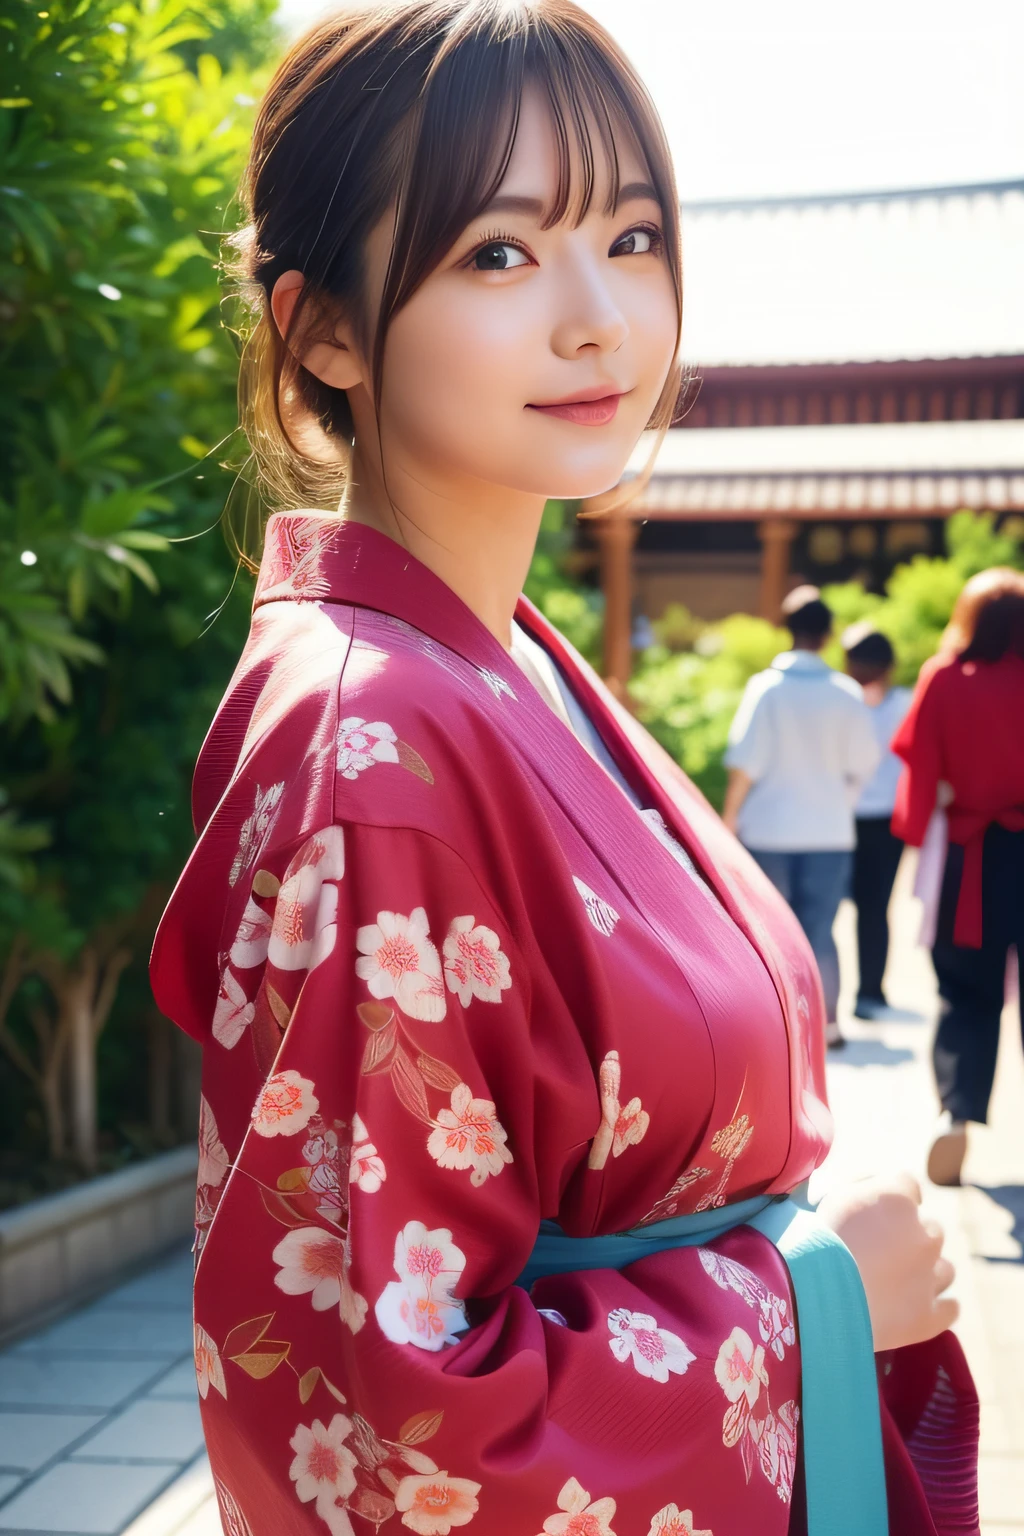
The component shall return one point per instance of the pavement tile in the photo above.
(169, 1286)
(72, 1382)
(182, 1508)
(180, 1381)
(148, 1430)
(146, 1330)
(27, 1440)
(93, 1498)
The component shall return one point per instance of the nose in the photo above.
(589, 316)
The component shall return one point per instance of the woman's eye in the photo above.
(499, 256)
(636, 243)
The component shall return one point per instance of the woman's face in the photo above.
(532, 358)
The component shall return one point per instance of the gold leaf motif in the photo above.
(378, 1050)
(260, 1364)
(293, 1180)
(409, 1086)
(375, 1015)
(278, 1007)
(265, 884)
(437, 1073)
(245, 1336)
(307, 1383)
(409, 758)
(422, 1426)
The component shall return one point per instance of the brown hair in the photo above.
(410, 105)
(988, 619)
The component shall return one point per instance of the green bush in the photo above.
(122, 133)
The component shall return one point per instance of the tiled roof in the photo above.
(889, 470)
(933, 273)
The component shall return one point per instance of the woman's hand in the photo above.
(899, 1257)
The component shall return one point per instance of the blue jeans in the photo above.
(814, 884)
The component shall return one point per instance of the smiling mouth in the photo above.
(584, 413)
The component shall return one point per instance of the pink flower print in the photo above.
(630, 1127)
(252, 939)
(322, 1156)
(673, 1521)
(739, 1368)
(620, 1128)
(775, 1439)
(469, 1136)
(310, 1263)
(305, 928)
(209, 1366)
(234, 1012)
(213, 1158)
(579, 1516)
(474, 965)
(775, 1324)
(602, 916)
(362, 743)
(654, 1351)
(324, 1470)
(398, 960)
(256, 829)
(286, 1105)
(432, 1504)
(419, 1308)
(366, 1168)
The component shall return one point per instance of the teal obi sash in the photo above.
(844, 1473)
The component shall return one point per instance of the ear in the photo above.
(336, 362)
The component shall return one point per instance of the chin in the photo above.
(574, 479)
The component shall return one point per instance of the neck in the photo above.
(802, 644)
(478, 538)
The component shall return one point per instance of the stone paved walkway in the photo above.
(99, 1426)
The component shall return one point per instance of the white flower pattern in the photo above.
(304, 928)
(419, 1307)
(256, 830)
(474, 964)
(361, 743)
(602, 915)
(397, 959)
(469, 1136)
(654, 1351)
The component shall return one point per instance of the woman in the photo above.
(481, 978)
(964, 731)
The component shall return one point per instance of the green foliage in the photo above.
(123, 128)
(575, 610)
(687, 698)
(686, 689)
(920, 595)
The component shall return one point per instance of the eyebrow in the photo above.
(533, 207)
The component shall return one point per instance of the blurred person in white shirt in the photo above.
(801, 749)
(869, 661)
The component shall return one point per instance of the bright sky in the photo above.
(771, 97)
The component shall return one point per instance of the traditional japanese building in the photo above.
(859, 367)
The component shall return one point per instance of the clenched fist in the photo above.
(899, 1257)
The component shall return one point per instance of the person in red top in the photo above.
(964, 731)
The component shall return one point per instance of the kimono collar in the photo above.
(316, 557)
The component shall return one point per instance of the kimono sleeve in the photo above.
(918, 743)
(386, 1198)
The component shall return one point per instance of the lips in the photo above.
(584, 413)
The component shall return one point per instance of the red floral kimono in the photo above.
(450, 982)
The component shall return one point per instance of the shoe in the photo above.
(834, 1037)
(948, 1150)
(877, 1011)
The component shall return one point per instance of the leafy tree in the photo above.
(122, 133)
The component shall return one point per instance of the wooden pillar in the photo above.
(616, 535)
(776, 535)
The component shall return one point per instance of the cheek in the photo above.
(462, 362)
